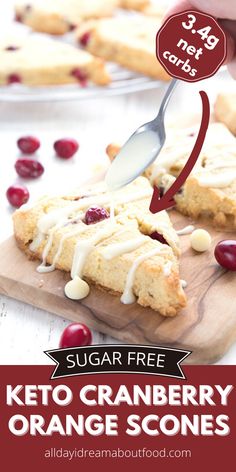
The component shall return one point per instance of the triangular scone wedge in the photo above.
(157, 10)
(60, 16)
(210, 190)
(117, 253)
(177, 149)
(128, 41)
(225, 110)
(36, 60)
(179, 145)
(134, 4)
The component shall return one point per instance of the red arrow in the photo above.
(158, 204)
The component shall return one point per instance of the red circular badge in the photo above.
(191, 46)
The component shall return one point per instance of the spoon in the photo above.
(141, 149)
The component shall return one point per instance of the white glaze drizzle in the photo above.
(112, 209)
(43, 268)
(215, 166)
(218, 180)
(117, 249)
(37, 241)
(167, 268)
(187, 230)
(170, 156)
(128, 296)
(58, 218)
(84, 248)
(46, 222)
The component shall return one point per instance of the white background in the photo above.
(25, 331)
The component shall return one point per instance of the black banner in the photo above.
(114, 358)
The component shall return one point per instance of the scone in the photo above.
(134, 4)
(35, 60)
(60, 16)
(210, 190)
(225, 110)
(179, 144)
(128, 41)
(157, 9)
(111, 240)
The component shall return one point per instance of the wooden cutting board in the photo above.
(207, 326)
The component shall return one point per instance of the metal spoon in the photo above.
(141, 149)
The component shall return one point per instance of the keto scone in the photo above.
(60, 16)
(110, 240)
(210, 190)
(157, 9)
(128, 41)
(134, 4)
(177, 149)
(35, 60)
(225, 110)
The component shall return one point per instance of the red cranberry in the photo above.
(81, 76)
(29, 168)
(17, 195)
(13, 79)
(158, 237)
(66, 148)
(95, 214)
(161, 191)
(71, 27)
(28, 144)
(225, 254)
(85, 38)
(12, 48)
(76, 334)
(18, 18)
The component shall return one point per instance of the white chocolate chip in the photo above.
(77, 289)
(184, 284)
(200, 240)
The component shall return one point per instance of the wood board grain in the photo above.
(207, 326)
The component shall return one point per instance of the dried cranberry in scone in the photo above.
(14, 79)
(95, 214)
(71, 27)
(18, 18)
(158, 237)
(81, 76)
(85, 38)
(12, 48)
